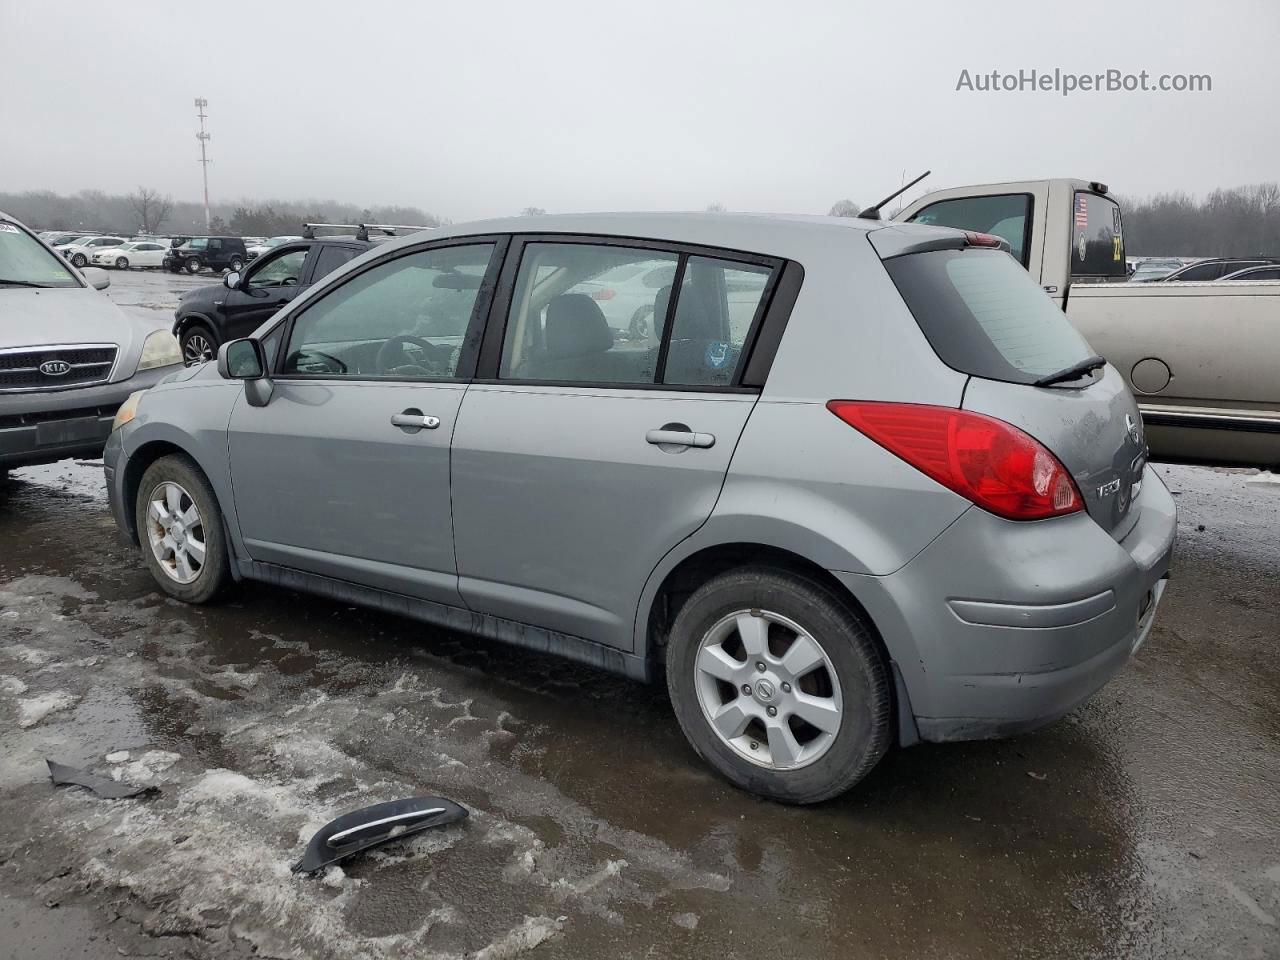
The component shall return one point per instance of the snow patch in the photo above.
(35, 709)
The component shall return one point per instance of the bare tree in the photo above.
(532, 212)
(843, 208)
(151, 209)
(716, 207)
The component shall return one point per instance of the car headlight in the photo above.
(159, 350)
(127, 410)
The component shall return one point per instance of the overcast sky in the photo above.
(471, 108)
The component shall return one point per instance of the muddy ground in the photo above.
(1146, 824)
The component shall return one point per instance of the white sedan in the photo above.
(135, 253)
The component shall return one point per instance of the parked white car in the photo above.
(255, 250)
(80, 250)
(135, 253)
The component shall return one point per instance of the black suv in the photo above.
(211, 315)
(193, 254)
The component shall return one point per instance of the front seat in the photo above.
(575, 335)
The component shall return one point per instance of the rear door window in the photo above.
(1097, 237)
(1006, 215)
(985, 316)
(330, 259)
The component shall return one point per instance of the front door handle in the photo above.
(414, 419)
(679, 438)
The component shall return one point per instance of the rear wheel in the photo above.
(193, 265)
(779, 685)
(235, 265)
(198, 344)
(180, 529)
(122, 263)
(79, 260)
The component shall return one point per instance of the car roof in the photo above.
(786, 235)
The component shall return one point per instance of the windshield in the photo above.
(984, 315)
(25, 262)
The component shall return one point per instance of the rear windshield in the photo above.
(1097, 240)
(985, 316)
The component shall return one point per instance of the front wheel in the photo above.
(779, 684)
(79, 261)
(122, 263)
(180, 529)
(193, 265)
(199, 345)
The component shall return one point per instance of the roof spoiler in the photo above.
(362, 230)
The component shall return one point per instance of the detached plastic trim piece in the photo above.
(373, 826)
(63, 775)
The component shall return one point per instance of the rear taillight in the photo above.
(987, 461)
(604, 293)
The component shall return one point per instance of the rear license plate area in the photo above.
(70, 431)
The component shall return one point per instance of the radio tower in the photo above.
(203, 137)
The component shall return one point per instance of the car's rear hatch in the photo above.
(986, 317)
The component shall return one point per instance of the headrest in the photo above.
(576, 327)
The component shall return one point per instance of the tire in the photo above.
(175, 268)
(235, 265)
(122, 263)
(192, 352)
(848, 691)
(214, 571)
(79, 261)
(193, 265)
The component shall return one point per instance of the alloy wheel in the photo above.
(196, 349)
(768, 690)
(175, 532)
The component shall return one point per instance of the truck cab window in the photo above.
(1004, 215)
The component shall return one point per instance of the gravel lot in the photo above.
(1146, 824)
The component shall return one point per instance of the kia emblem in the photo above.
(55, 368)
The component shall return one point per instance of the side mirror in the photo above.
(97, 277)
(241, 360)
(244, 360)
(232, 280)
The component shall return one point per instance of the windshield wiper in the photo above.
(1073, 372)
(23, 283)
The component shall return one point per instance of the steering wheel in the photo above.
(391, 356)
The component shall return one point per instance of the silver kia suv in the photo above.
(849, 485)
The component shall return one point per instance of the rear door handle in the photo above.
(680, 438)
(414, 419)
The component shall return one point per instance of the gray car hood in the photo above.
(42, 317)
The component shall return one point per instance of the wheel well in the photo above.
(137, 465)
(693, 571)
(191, 320)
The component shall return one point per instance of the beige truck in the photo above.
(1203, 359)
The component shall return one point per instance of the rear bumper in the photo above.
(1000, 627)
(45, 426)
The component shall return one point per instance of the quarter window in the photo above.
(404, 319)
(718, 303)
(1004, 215)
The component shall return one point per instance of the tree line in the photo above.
(147, 211)
(1235, 221)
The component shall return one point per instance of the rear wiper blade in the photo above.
(1073, 372)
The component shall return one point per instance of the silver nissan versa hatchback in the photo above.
(849, 484)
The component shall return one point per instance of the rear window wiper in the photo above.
(1073, 372)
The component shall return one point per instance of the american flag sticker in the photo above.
(1082, 212)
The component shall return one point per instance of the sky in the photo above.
(477, 108)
